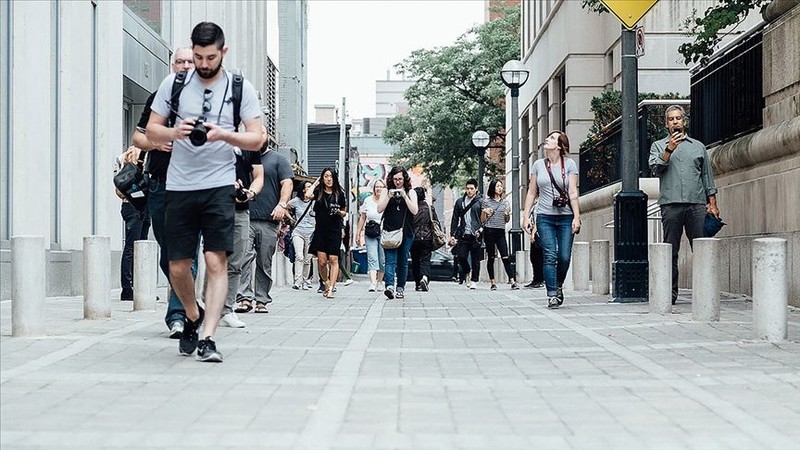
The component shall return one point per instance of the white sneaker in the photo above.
(231, 320)
(347, 282)
(373, 286)
(473, 285)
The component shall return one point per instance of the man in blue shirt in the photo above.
(687, 189)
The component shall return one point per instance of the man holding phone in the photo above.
(687, 190)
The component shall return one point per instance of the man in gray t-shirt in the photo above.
(200, 179)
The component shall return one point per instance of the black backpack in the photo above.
(180, 81)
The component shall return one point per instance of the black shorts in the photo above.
(209, 212)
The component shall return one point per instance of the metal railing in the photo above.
(727, 93)
(600, 164)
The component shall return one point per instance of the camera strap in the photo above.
(561, 193)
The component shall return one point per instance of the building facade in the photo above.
(74, 78)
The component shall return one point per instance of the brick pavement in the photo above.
(450, 368)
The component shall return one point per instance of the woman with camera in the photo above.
(369, 233)
(554, 181)
(397, 234)
(330, 209)
(495, 213)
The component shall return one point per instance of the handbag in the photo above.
(131, 182)
(712, 225)
(372, 229)
(286, 238)
(393, 239)
(439, 239)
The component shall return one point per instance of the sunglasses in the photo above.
(207, 94)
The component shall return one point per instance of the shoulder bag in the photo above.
(439, 238)
(394, 238)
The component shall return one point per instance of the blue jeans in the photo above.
(397, 263)
(556, 234)
(155, 204)
(376, 257)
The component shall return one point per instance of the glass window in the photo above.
(562, 99)
(147, 10)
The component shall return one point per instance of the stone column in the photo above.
(600, 269)
(522, 266)
(27, 286)
(580, 266)
(770, 289)
(705, 280)
(145, 275)
(660, 278)
(96, 277)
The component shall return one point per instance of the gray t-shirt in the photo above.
(210, 165)
(306, 226)
(548, 192)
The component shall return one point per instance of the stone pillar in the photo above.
(580, 266)
(27, 285)
(705, 280)
(770, 289)
(278, 270)
(145, 275)
(97, 277)
(660, 278)
(522, 266)
(600, 269)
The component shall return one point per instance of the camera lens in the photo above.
(199, 134)
(241, 195)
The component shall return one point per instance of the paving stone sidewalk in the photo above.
(450, 368)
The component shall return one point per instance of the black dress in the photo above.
(328, 230)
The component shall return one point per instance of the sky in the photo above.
(351, 44)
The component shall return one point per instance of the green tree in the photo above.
(457, 92)
(706, 29)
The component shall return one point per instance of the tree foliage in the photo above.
(458, 91)
(706, 29)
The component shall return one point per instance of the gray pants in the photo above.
(241, 238)
(675, 217)
(261, 245)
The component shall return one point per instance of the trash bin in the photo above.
(359, 264)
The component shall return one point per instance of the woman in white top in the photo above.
(303, 211)
(369, 233)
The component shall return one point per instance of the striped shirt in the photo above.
(500, 207)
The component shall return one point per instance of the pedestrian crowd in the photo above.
(214, 183)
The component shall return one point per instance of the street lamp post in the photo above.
(480, 139)
(514, 75)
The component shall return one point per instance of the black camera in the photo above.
(560, 202)
(199, 134)
(241, 194)
(396, 193)
(334, 210)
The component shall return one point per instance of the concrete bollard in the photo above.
(521, 259)
(27, 285)
(580, 266)
(97, 277)
(705, 280)
(770, 289)
(145, 275)
(600, 269)
(660, 278)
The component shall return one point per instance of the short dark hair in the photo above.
(420, 193)
(471, 181)
(492, 190)
(207, 33)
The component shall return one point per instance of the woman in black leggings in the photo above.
(495, 213)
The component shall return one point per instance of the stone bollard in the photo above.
(27, 285)
(289, 268)
(580, 266)
(521, 267)
(600, 269)
(705, 280)
(278, 270)
(770, 289)
(145, 275)
(660, 278)
(96, 277)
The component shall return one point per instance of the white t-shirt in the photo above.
(210, 165)
(370, 208)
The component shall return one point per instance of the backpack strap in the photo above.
(236, 96)
(175, 98)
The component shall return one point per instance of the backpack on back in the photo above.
(180, 82)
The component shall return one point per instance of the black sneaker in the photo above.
(493, 287)
(534, 285)
(320, 288)
(188, 342)
(207, 351)
(423, 284)
(389, 292)
(400, 293)
(553, 303)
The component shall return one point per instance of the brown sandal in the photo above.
(261, 308)
(245, 306)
